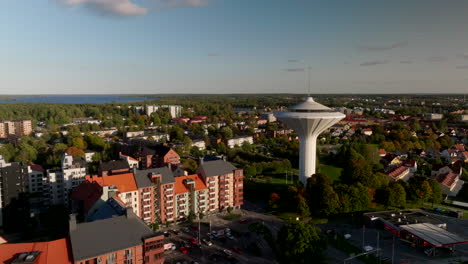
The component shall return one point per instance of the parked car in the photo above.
(186, 230)
(237, 250)
(184, 250)
(176, 232)
(166, 234)
(207, 242)
(231, 237)
(192, 240)
(169, 246)
(227, 252)
(244, 220)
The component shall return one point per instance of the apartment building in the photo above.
(156, 189)
(224, 183)
(238, 141)
(17, 127)
(13, 183)
(60, 182)
(191, 196)
(127, 190)
(174, 110)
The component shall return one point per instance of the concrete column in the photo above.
(307, 157)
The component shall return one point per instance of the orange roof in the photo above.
(52, 252)
(125, 182)
(181, 188)
(397, 172)
(447, 179)
(125, 156)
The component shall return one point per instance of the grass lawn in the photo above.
(331, 171)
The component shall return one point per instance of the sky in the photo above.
(233, 46)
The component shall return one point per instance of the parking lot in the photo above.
(400, 250)
(237, 245)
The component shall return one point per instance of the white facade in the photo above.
(200, 144)
(62, 181)
(238, 141)
(308, 119)
(89, 156)
(174, 110)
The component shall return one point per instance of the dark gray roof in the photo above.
(114, 165)
(100, 237)
(142, 179)
(217, 167)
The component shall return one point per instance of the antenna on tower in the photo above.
(308, 81)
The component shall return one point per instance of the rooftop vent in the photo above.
(27, 257)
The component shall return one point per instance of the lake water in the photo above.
(74, 99)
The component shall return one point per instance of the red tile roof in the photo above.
(447, 179)
(52, 252)
(125, 182)
(181, 188)
(395, 174)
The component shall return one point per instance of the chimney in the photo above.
(72, 223)
(129, 213)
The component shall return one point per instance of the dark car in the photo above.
(237, 250)
(244, 220)
(167, 234)
(175, 232)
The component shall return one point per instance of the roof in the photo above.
(447, 179)
(433, 234)
(409, 163)
(100, 237)
(142, 179)
(114, 165)
(309, 104)
(88, 192)
(125, 182)
(52, 252)
(397, 172)
(181, 188)
(127, 157)
(111, 208)
(35, 167)
(155, 150)
(217, 167)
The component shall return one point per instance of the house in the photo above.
(412, 165)
(450, 183)
(132, 162)
(121, 239)
(399, 173)
(199, 143)
(392, 159)
(433, 116)
(89, 155)
(367, 131)
(382, 153)
(238, 141)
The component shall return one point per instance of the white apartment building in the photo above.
(175, 110)
(238, 141)
(63, 180)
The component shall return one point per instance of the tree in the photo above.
(75, 152)
(396, 195)
(322, 198)
(300, 243)
(436, 192)
(229, 209)
(190, 165)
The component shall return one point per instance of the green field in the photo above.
(331, 171)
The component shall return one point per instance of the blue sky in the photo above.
(233, 46)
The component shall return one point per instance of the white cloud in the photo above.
(128, 8)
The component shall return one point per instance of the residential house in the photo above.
(238, 141)
(399, 173)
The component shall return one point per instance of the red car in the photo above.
(237, 250)
(193, 240)
(245, 220)
(184, 250)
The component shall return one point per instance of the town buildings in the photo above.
(238, 141)
(18, 128)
